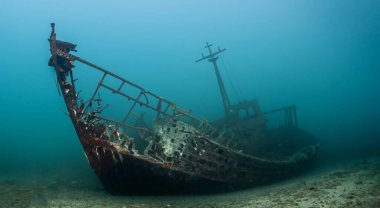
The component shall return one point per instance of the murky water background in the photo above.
(323, 56)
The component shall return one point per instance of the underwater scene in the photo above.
(194, 103)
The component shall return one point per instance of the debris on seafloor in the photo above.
(177, 152)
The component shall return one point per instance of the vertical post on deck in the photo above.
(212, 57)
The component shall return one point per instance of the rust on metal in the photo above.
(176, 152)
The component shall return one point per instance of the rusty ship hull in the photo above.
(121, 172)
(181, 153)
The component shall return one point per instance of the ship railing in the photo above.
(144, 133)
(290, 115)
(164, 108)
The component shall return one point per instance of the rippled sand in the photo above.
(354, 184)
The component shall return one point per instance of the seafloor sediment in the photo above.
(355, 184)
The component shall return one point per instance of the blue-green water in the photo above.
(323, 56)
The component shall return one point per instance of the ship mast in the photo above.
(212, 57)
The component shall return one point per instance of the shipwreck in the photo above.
(175, 152)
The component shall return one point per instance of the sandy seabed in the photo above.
(352, 184)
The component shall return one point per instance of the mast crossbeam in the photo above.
(212, 57)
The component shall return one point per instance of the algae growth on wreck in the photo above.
(320, 56)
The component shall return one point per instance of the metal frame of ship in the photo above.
(177, 152)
